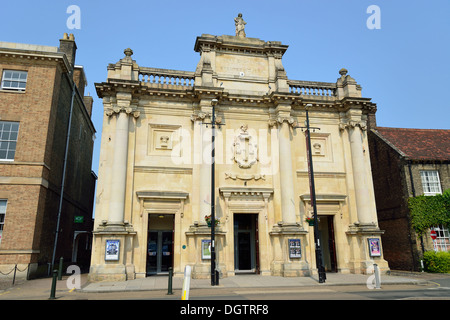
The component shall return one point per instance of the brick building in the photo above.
(407, 163)
(41, 92)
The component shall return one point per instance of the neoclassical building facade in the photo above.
(154, 187)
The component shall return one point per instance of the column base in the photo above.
(201, 266)
(290, 269)
(115, 268)
(284, 264)
(363, 263)
(116, 272)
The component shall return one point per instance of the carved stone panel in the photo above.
(162, 139)
(321, 146)
(245, 147)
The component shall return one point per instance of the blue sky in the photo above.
(404, 66)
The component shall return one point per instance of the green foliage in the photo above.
(438, 262)
(429, 211)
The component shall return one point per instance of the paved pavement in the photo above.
(246, 281)
(40, 288)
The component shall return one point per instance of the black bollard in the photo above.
(14, 277)
(217, 277)
(53, 290)
(60, 268)
(169, 289)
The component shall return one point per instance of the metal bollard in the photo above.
(377, 276)
(217, 275)
(169, 289)
(14, 277)
(60, 268)
(53, 290)
(186, 283)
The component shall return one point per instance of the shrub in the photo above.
(437, 262)
(429, 211)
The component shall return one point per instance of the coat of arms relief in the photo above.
(245, 149)
(245, 154)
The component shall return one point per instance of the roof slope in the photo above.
(418, 144)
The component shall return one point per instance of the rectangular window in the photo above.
(14, 80)
(442, 242)
(9, 132)
(430, 182)
(2, 217)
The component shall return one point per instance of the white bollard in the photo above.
(186, 283)
(377, 277)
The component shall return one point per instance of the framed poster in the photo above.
(295, 248)
(206, 249)
(374, 247)
(112, 249)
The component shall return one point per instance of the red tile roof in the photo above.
(419, 144)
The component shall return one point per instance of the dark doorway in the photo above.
(327, 241)
(160, 244)
(246, 243)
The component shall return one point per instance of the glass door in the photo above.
(166, 251)
(152, 253)
(160, 251)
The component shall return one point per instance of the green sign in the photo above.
(79, 219)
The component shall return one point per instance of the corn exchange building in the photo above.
(154, 189)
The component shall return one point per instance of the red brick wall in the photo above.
(391, 194)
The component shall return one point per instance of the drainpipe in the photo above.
(413, 190)
(66, 152)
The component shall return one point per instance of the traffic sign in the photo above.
(433, 234)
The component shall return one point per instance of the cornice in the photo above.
(197, 93)
(58, 57)
(347, 103)
(238, 45)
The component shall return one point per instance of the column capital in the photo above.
(130, 110)
(352, 119)
(289, 120)
(362, 124)
(198, 116)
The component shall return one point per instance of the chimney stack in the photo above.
(68, 46)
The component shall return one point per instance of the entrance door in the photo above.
(326, 237)
(160, 244)
(246, 243)
(160, 251)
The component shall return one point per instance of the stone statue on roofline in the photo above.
(240, 26)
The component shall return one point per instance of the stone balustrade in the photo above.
(312, 88)
(166, 77)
